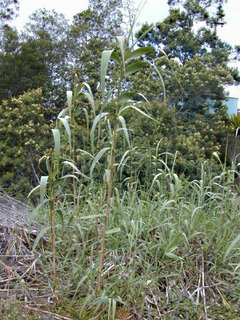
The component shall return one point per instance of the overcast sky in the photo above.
(154, 10)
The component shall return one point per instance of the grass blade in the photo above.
(56, 135)
(39, 236)
(121, 44)
(138, 110)
(69, 102)
(67, 128)
(230, 248)
(134, 67)
(106, 55)
(125, 130)
(90, 97)
(96, 160)
(125, 97)
(138, 53)
(43, 186)
(68, 163)
(95, 122)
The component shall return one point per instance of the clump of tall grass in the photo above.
(118, 100)
(174, 255)
(164, 251)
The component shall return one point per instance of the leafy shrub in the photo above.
(24, 135)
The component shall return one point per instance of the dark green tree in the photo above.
(8, 10)
(36, 59)
(194, 67)
(193, 64)
(48, 31)
(209, 11)
(91, 31)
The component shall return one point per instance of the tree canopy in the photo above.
(192, 59)
(189, 67)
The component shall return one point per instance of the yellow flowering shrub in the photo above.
(24, 135)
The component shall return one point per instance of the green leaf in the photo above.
(33, 215)
(43, 186)
(230, 248)
(109, 131)
(33, 190)
(67, 128)
(39, 236)
(78, 90)
(68, 163)
(138, 53)
(89, 96)
(85, 152)
(123, 157)
(96, 159)
(48, 165)
(60, 214)
(121, 43)
(137, 109)
(115, 57)
(173, 256)
(155, 179)
(63, 113)
(107, 175)
(173, 244)
(123, 162)
(56, 135)
(125, 97)
(143, 97)
(106, 55)
(70, 176)
(112, 231)
(134, 67)
(125, 130)
(80, 283)
(95, 122)
(69, 102)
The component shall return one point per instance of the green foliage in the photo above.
(193, 65)
(24, 133)
(211, 11)
(36, 59)
(193, 138)
(8, 10)
(184, 83)
(93, 30)
(236, 120)
(165, 242)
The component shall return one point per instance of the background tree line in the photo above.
(51, 55)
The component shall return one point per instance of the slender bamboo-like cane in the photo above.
(109, 194)
(53, 237)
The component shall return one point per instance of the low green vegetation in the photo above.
(171, 252)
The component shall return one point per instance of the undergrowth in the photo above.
(167, 256)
